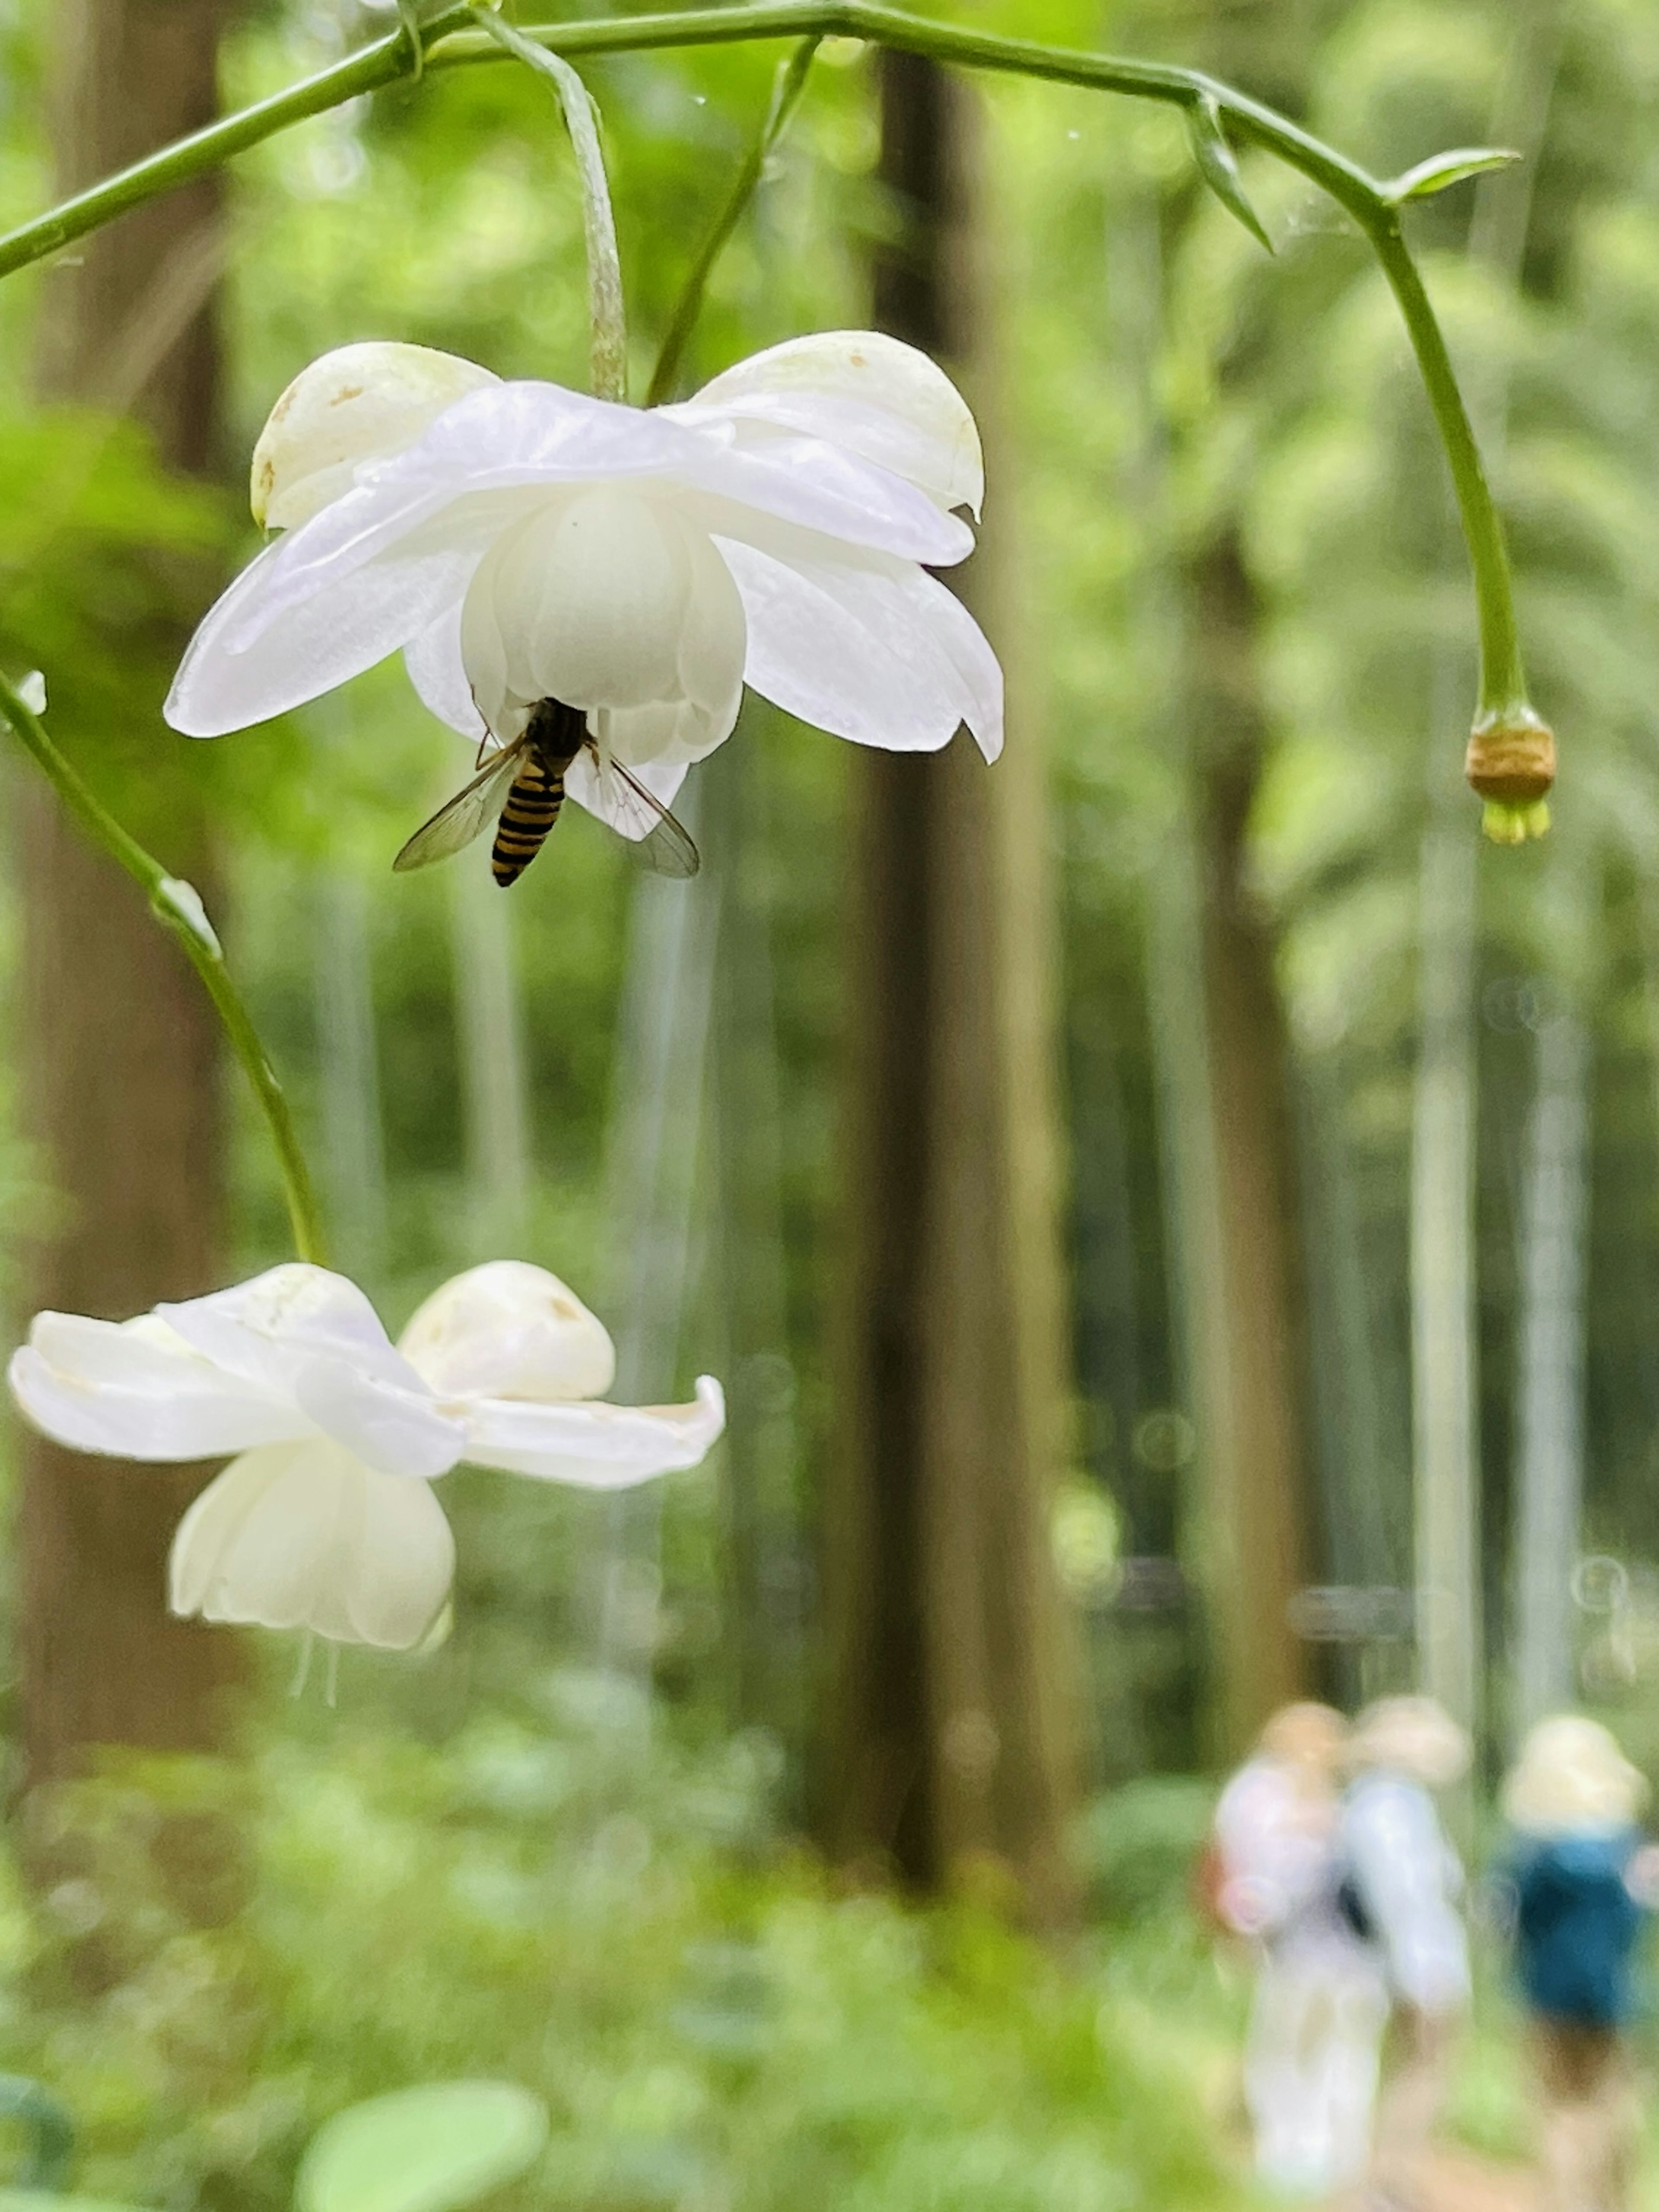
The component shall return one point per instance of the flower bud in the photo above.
(361, 403)
(509, 1330)
(1510, 764)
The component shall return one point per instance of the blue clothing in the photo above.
(1577, 1925)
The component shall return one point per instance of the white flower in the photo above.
(519, 541)
(325, 1520)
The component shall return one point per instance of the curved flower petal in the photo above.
(262, 1328)
(355, 405)
(305, 1536)
(313, 1337)
(136, 1391)
(864, 390)
(872, 650)
(509, 1330)
(303, 651)
(435, 669)
(600, 1447)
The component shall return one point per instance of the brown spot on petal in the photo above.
(346, 391)
(285, 402)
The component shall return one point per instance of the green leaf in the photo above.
(1219, 165)
(426, 2149)
(1442, 169)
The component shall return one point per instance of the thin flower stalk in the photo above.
(606, 313)
(178, 907)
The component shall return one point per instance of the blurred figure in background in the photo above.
(1401, 1884)
(1583, 1877)
(1316, 2017)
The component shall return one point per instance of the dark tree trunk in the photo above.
(950, 1722)
(120, 1048)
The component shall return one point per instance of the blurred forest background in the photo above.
(1177, 1216)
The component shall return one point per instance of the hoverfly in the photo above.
(521, 789)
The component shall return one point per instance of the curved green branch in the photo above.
(176, 905)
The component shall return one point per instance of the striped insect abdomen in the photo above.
(532, 809)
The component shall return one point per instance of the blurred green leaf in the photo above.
(424, 2149)
(1218, 167)
(1450, 168)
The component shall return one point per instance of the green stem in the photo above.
(606, 315)
(1503, 681)
(787, 85)
(178, 907)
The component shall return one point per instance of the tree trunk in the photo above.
(121, 1086)
(1554, 1235)
(1257, 1454)
(950, 1725)
(1446, 1496)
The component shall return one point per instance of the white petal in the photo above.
(599, 1447)
(439, 675)
(135, 1390)
(301, 651)
(585, 601)
(355, 405)
(395, 1431)
(713, 638)
(304, 1536)
(313, 1337)
(260, 1328)
(872, 650)
(509, 1330)
(864, 390)
(530, 434)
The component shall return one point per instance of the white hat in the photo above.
(1412, 1736)
(1571, 1778)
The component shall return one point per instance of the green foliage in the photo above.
(430, 2148)
(568, 1900)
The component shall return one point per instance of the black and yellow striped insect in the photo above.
(521, 787)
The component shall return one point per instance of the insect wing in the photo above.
(473, 808)
(657, 839)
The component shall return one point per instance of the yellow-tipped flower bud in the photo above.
(1510, 764)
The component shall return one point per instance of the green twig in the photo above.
(178, 907)
(605, 311)
(1503, 682)
(787, 85)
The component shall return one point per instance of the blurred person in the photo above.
(1401, 1886)
(1582, 1877)
(1317, 2015)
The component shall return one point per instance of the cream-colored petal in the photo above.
(359, 404)
(509, 1330)
(869, 394)
(136, 1390)
(585, 601)
(598, 1447)
(307, 1536)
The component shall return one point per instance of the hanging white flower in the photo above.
(519, 541)
(326, 1520)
